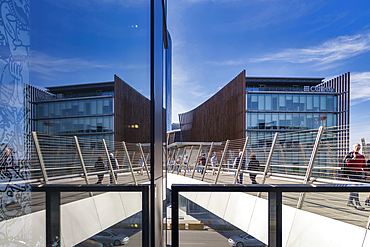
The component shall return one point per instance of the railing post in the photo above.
(109, 163)
(196, 160)
(53, 218)
(221, 161)
(175, 216)
(269, 159)
(145, 202)
(129, 161)
(187, 165)
(310, 165)
(241, 159)
(81, 159)
(39, 155)
(207, 160)
(182, 161)
(275, 219)
(144, 160)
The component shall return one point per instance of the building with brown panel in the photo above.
(113, 111)
(259, 107)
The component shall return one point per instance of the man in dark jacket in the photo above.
(203, 161)
(253, 165)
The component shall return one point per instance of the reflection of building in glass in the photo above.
(113, 111)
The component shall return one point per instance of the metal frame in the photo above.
(129, 161)
(39, 155)
(144, 160)
(274, 202)
(53, 203)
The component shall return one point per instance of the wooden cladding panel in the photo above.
(221, 117)
(131, 114)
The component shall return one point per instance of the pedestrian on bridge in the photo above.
(115, 166)
(99, 167)
(356, 164)
(253, 165)
(243, 166)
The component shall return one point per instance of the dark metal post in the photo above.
(275, 219)
(175, 216)
(52, 218)
(145, 217)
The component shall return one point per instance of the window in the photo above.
(275, 103)
(275, 123)
(289, 102)
(302, 120)
(296, 121)
(268, 105)
(261, 120)
(282, 102)
(302, 102)
(309, 121)
(254, 121)
(309, 102)
(289, 120)
(296, 102)
(268, 121)
(330, 103)
(322, 102)
(261, 102)
(254, 102)
(282, 121)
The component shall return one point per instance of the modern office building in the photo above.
(258, 107)
(113, 111)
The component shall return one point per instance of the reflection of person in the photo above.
(203, 161)
(114, 163)
(214, 162)
(99, 166)
(236, 165)
(356, 164)
(253, 165)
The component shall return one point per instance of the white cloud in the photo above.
(331, 51)
(360, 87)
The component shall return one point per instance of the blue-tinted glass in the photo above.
(254, 102)
(93, 125)
(289, 102)
(282, 102)
(81, 108)
(330, 102)
(302, 120)
(295, 120)
(316, 118)
(289, 120)
(309, 121)
(322, 102)
(275, 120)
(57, 109)
(249, 102)
(309, 102)
(302, 102)
(99, 124)
(106, 109)
(51, 109)
(68, 108)
(268, 105)
(93, 107)
(335, 103)
(261, 120)
(254, 121)
(316, 103)
(45, 110)
(87, 125)
(63, 109)
(87, 105)
(296, 102)
(106, 124)
(261, 102)
(282, 123)
(275, 102)
(74, 108)
(329, 120)
(248, 120)
(268, 120)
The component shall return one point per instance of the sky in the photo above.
(213, 41)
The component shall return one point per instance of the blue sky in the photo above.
(213, 41)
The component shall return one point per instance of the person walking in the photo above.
(356, 164)
(99, 167)
(203, 161)
(214, 163)
(115, 166)
(243, 166)
(253, 165)
(186, 161)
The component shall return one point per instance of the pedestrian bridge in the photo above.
(309, 219)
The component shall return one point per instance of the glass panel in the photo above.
(335, 103)
(275, 102)
(106, 124)
(254, 121)
(51, 109)
(302, 120)
(289, 120)
(268, 105)
(322, 102)
(81, 108)
(93, 107)
(316, 103)
(87, 105)
(261, 102)
(309, 121)
(87, 126)
(289, 102)
(282, 121)
(63, 108)
(261, 121)
(316, 123)
(46, 110)
(296, 121)
(248, 120)
(106, 109)
(254, 101)
(275, 120)
(330, 102)
(268, 120)
(68, 108)
(99, 124)
(309, 102)
(282, 102)
(74, 108)
(296, 102)
(57, 109)
(302, 102)
(329, 121)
